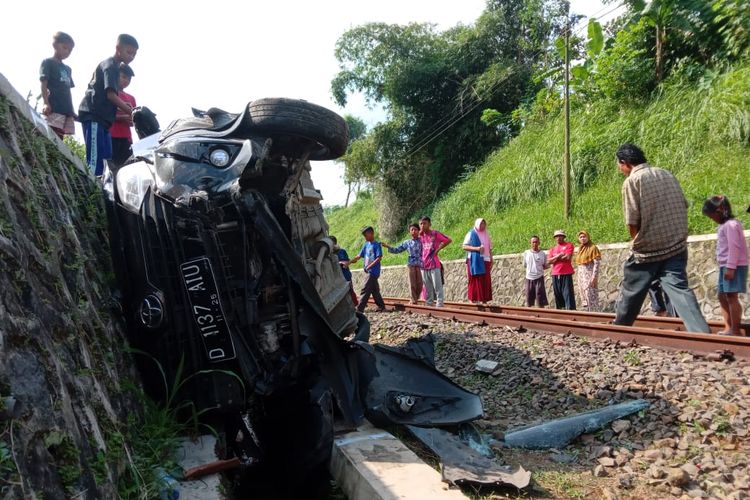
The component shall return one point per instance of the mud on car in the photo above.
(230, 283)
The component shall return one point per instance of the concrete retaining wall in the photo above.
(508, 277)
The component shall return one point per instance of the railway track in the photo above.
(667, 333)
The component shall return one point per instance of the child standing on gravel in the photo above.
(372, 252)
(57, 79)
(414, 262)
(732, 256)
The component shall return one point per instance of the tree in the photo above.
(357, 129)
(435, 86)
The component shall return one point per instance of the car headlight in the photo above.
(219, 157)
(133, 181)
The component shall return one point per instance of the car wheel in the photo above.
(301, 119)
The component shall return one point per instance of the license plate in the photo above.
(205, 307)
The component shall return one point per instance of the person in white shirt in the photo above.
(535, 262)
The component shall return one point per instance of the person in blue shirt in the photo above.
(372, 252)
(344, 264)
(414, 261)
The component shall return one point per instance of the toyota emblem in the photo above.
(151, 311)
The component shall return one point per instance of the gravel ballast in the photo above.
(691, 443)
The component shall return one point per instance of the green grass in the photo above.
(700, 133)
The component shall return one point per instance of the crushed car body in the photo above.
(231, 286)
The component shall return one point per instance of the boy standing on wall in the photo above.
(414, 261)
(372, 252)
(100, 103)
(122, 139)
(57, 80)
(432, 243)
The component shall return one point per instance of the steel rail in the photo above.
(670, 339)
(590, 317)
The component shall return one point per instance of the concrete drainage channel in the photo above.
(371, 463)
(367, 464)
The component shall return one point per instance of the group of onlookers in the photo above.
(655, 212)
(106, 110)
(560, 259)
(425, 269)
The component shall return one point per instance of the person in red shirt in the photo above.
(122, 139)
(560, 257)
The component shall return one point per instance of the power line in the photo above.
(437, 130)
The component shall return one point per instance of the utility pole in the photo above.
(566, 161)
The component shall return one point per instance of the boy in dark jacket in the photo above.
(100, 103)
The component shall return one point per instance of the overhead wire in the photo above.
(443, 125)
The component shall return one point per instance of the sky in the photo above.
(220, 53)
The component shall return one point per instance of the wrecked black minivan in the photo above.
(231, 286)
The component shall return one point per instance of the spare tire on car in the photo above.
(283, 117)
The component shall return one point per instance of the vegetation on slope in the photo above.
(700, 131)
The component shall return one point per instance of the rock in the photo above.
(664, 443)
(609, 494)
(604, 394)
(602, 451)
(730, 408)
(625, 481)
(656, 472)
(677, 477)
(587, 438)
(619, 426)
(607, 461)
(600, 471)
(652, 455)
(691, 469)
(563, 458)
(486, 366)
(697, 493)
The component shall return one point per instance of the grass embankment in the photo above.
(700, 132)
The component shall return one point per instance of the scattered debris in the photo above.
(698, 407)
(402, 387)
(486, 366)
(460, 464)
(560, 432)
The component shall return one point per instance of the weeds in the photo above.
(632, 358)
(152, 440)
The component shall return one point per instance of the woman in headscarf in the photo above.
(588, 260)
(479, 262)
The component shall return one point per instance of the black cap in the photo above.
(367, 228)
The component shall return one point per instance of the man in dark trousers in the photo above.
(655, 212)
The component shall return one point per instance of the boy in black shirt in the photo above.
(100, 103)
(57, 80)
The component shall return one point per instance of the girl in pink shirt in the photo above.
(732, 256)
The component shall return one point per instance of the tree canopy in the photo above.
(453, 96)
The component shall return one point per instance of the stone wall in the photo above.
(508, 277)
(63, 362)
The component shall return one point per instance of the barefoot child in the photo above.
(57, 80)
(732, 255)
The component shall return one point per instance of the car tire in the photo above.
(301, 119)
